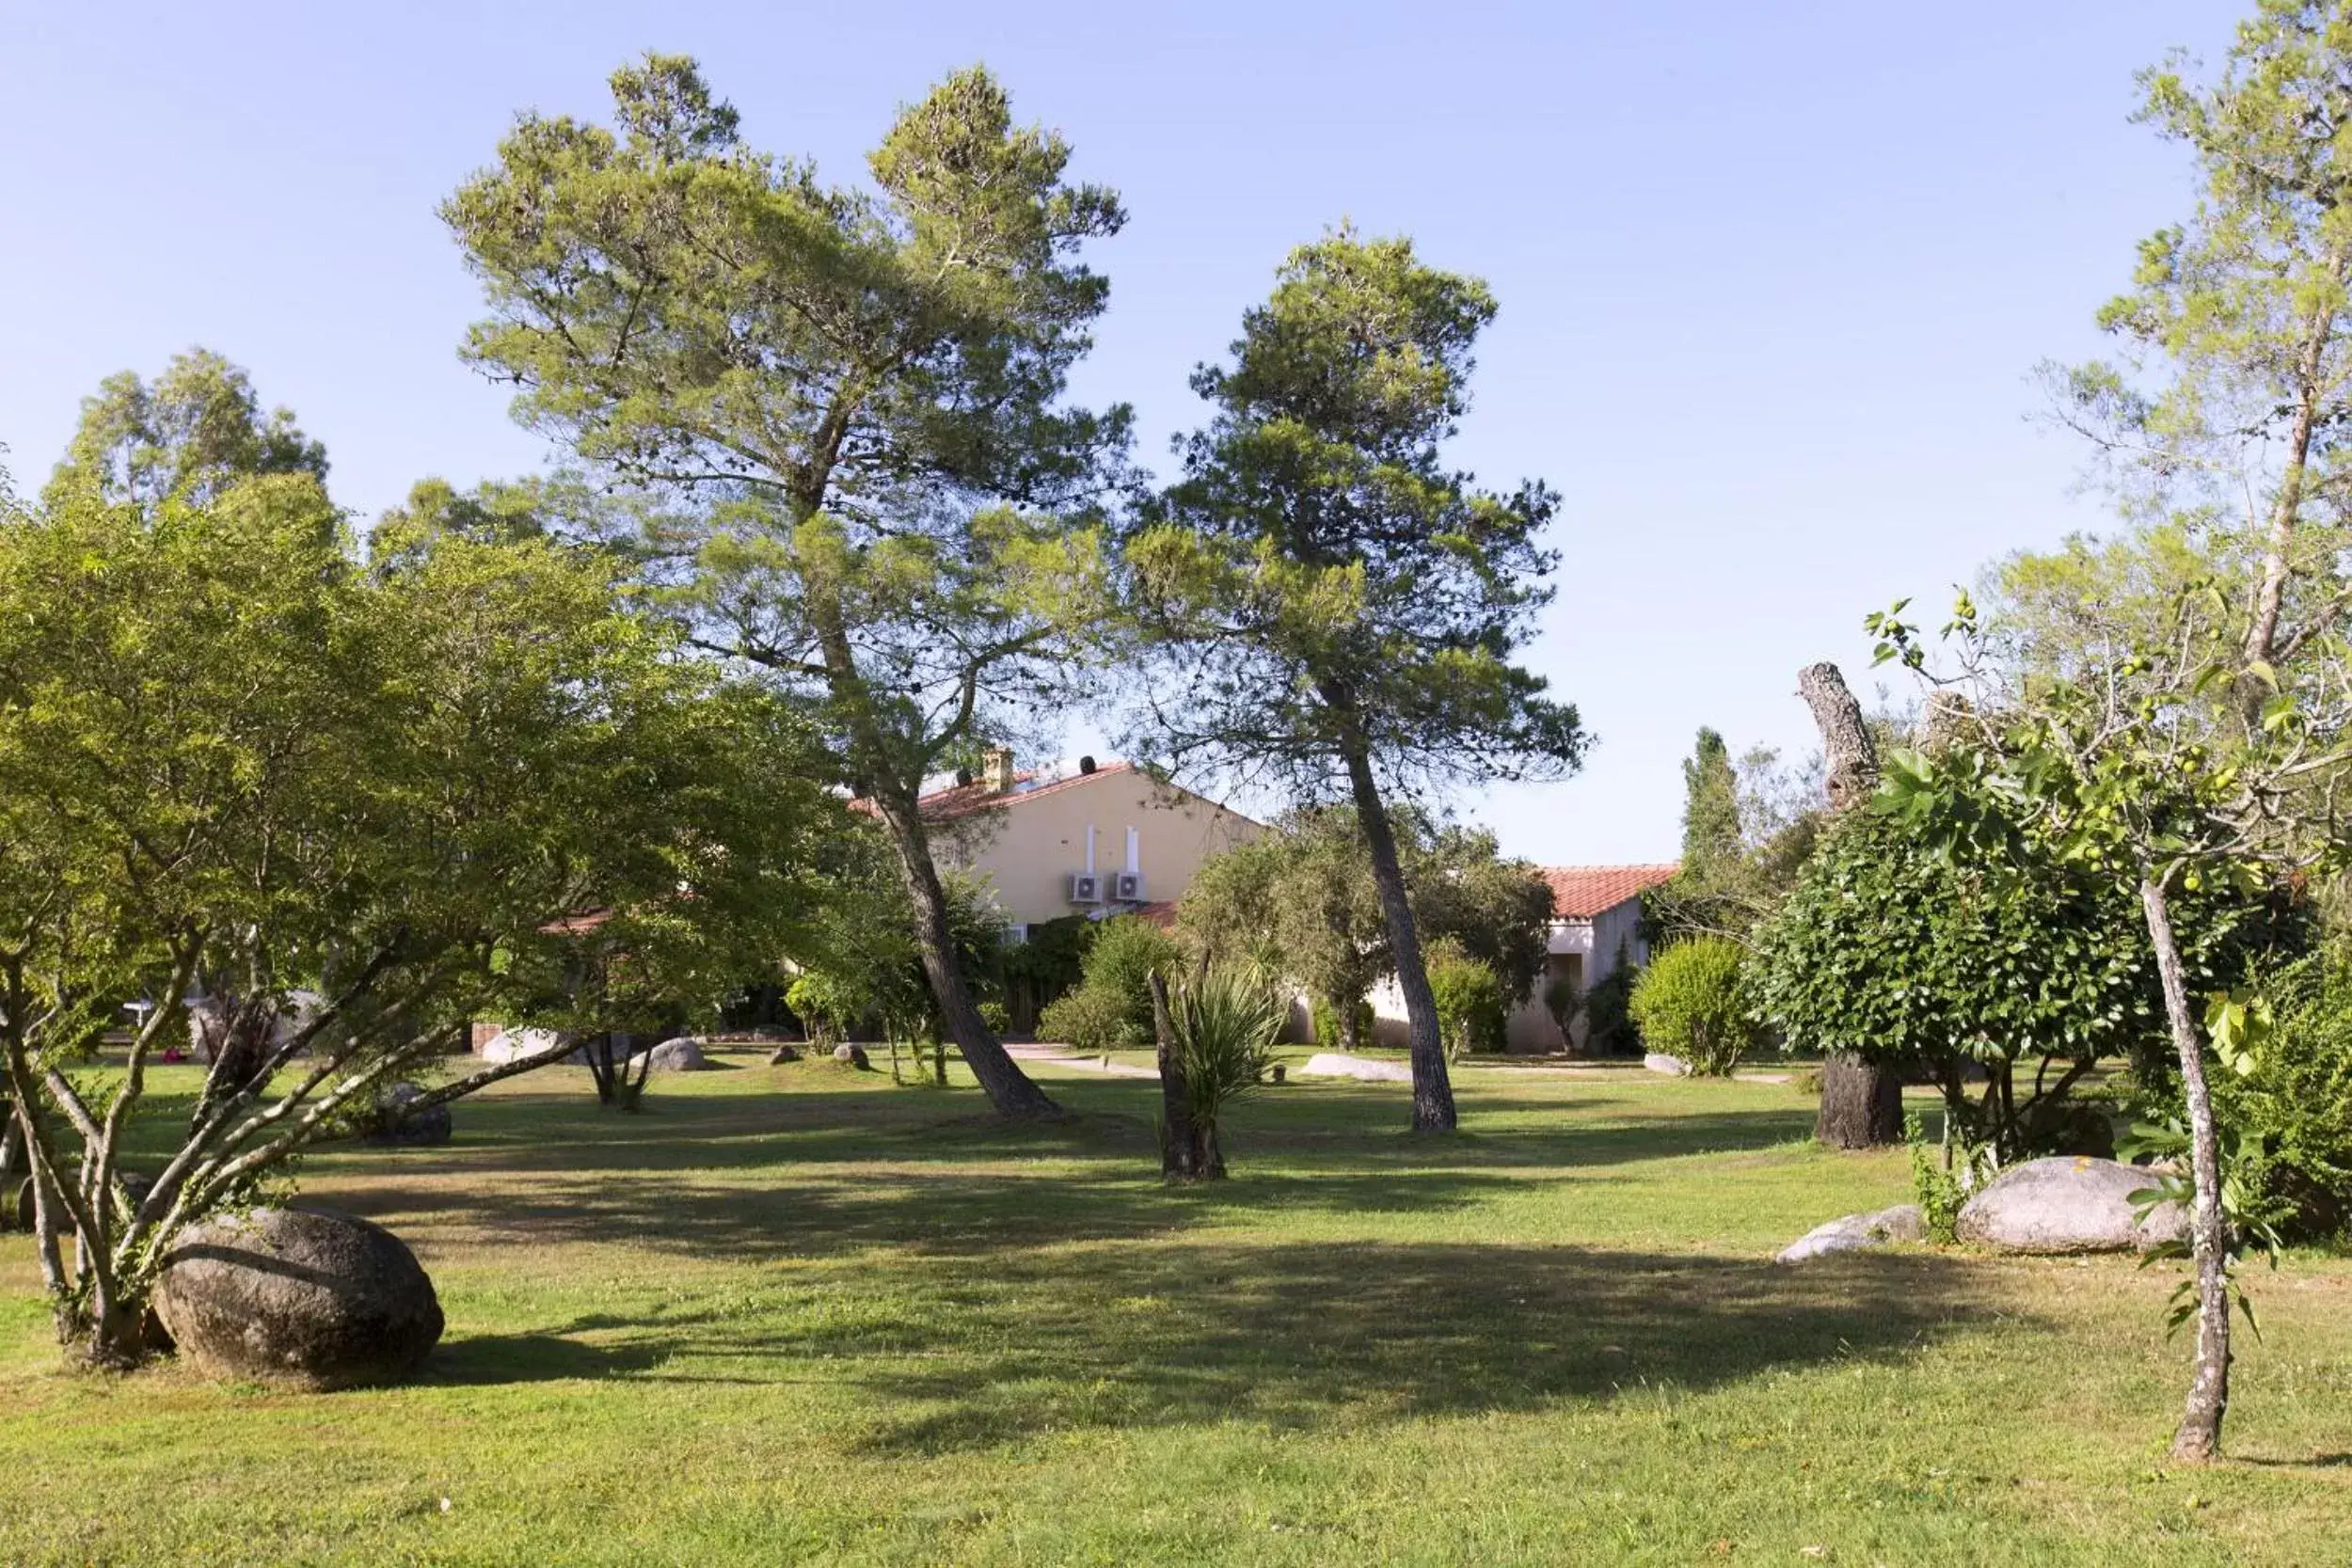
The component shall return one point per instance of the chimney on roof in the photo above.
(996, 769)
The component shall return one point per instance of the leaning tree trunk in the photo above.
(2199, 1436)
(1862, 1100)
(1010, 1090)
(1433, 1091)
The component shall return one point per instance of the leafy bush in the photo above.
(1327, 1022)
(1118, 967)
(1469, 1000)
(1887, 948)
(1086, 1019)
(1941, 1190)
(1691, 1002)
(2292, 1112)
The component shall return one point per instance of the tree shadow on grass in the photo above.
(918, 1211)
(554, 1356)
(1303, 1336)
(738, 1132)
(838, 1172)
(945, 1357)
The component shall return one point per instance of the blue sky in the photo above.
(1773, 278)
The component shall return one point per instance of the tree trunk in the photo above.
(115, 1335)
(1180, 1154)
(1852, 760)
(2262, 633)
(2198, 1440)
(1862, 1100)
(1433, 1091)
(1009, 1089)
(1862, 1103)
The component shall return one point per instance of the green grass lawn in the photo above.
(796, 1315)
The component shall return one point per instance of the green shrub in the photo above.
(1469, 994)
(1085, 1020)
(2293, 1111)
(1889, 947)
(1690, 1002)
(1327, 1022)
(1118, 966)
(1942, 1191)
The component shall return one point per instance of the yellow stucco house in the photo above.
(1096, 841)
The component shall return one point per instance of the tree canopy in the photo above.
(231, 757)
(854, 400)
(1335, 609)
(1301, 902)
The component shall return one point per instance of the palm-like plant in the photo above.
(1223, 1027)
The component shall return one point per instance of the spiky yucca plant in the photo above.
(1225, 1025)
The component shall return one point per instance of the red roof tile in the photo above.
(1582, 892)
(946, 805)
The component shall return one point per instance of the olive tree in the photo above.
(226, 745)
(1303, 902)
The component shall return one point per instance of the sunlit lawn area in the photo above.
(798, 1315)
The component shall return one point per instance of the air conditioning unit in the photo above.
(1085, 888)
(1128, 887)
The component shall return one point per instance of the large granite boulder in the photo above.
(1857, 1233)
(855, 1055)
(207, 1020)
(2063, 1205)
(399, 1127)
(512, 1045)
(1673, 1066)
(1365, 1069)
(784, 1054)
(682, 1054)
(297, 1297)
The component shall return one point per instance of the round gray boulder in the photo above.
(2061, 1206)
(398, 1127)
(853, 1055)
(682, 1054)
(784, 1054)
(297, 1297)
(1857, 1233)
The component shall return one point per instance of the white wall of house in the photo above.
(1584, 950)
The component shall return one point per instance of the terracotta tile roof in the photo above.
(946, 805)
(1162, 913)
(1582, 892)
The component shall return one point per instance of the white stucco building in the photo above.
(1595, 920)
